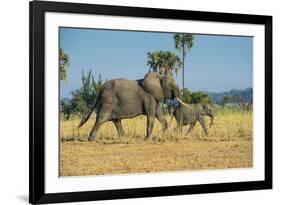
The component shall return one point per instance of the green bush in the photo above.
(196, 97)
(83, 98)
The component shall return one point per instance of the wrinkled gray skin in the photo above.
(191, 114)
(122, 98)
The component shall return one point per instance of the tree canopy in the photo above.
(163, 62)
(196, 97)
(63, 64)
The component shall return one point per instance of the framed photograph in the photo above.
(130, 102)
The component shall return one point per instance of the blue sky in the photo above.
(215, 63)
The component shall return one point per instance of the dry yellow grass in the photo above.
(228, 145)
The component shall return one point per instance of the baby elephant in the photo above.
(192, 113)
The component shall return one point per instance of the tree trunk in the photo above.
(182, 67)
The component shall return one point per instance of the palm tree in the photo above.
(164, 62)
(63, 64)
(173, 62)
(153, 61)
(183, 42)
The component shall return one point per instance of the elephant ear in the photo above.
(204, 109)
(207, 107)
(152, 84)
(204, 106)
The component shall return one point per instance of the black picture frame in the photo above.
(37, 193)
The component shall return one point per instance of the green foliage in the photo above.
(63, 64)
(66, 108)
(83, 98)
(186, 95)
(163, 62)
(200, 97)
(196, 97)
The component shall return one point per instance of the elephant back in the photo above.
(152, 84)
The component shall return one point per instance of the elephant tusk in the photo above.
(182, 102)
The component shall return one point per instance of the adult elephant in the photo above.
(192, 113)
(121, 98)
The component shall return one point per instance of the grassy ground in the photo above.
(228, 145)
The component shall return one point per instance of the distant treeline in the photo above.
(242, 99)
(232, 96)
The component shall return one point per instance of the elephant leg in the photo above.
(149, 127)
(102, 117)
(151, 110)
(118, 125)
(160, 116)
(94, 131)
(192, 125)
(203, 124)
(180, 124)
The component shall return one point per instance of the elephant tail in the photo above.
(87, 116)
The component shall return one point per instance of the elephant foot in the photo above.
(148, 138)
(122, 136)
(91, 138)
